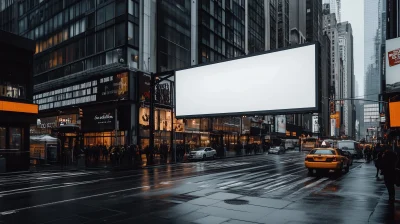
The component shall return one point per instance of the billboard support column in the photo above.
(151, 120)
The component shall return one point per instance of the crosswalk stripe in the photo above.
(281, 182)
(231, 185)
(291, 185)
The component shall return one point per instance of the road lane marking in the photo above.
(70, 200)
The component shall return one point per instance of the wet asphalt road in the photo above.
(265, 189)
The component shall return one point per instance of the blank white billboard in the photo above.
(278, 82)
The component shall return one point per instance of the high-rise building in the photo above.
(283, 23)
(271, 24)
(174, 34)
(393, 24)
(255, 27)
(92, 57)
(297, 21)
(371, 67)
(313, 20)
(330, 28)
(348, 80)
(334, 8)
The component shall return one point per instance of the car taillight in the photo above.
(334, 159)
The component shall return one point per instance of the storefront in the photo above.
(17, 112)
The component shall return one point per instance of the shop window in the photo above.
(2, 138)
(15, 138)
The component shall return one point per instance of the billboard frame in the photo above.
(315, 109)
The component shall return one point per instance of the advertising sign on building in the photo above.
(315, 127)
(333, 127)
(99, 120)
(280, 124)
(307, 122)
(393, 65)
(144, 87)
(113, 87)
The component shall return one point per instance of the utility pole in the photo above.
(151, 120)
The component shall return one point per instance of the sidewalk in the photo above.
(356, 197)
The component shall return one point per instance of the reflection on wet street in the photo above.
(253, 189)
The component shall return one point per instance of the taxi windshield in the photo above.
(323, 152)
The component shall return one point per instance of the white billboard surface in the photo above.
(282, 81)
(393, 65)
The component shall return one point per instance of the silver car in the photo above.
(280, 149)
(202, 153)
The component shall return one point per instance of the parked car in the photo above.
(202, 153)
(326, 159)
(280, 149)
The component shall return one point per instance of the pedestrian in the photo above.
(388, 166)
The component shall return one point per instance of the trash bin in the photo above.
(2, 164)
(81, 161)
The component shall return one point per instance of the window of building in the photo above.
(110, 37)
(133, 58)
(109, 10)
(120, 34)
(100, 16)
(15, 138)
(100, 41)
(91, 20)
(90, 44)
(120, 7)
(133, 34)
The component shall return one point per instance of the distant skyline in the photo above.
(353, 11)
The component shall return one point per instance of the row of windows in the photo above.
(69, 102)
(74, 29)
(66, 96)
(95, 43)
(109, 57)
(52, 93)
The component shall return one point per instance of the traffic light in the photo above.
(80, 113)
(332, 107)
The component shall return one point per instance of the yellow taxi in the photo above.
(327, 159)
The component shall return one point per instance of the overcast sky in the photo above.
(353, 11)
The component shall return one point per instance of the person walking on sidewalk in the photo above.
(377, 156)
(388, 166)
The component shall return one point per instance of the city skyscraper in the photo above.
(335, 7)
(348, 81)
(297, 21)
(313, 20)
(255, 26)
(283, 23)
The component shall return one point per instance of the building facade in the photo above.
(17, 111)
(346, 54)
(335, 7)
(297, 21)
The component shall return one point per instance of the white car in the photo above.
(202, 153)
